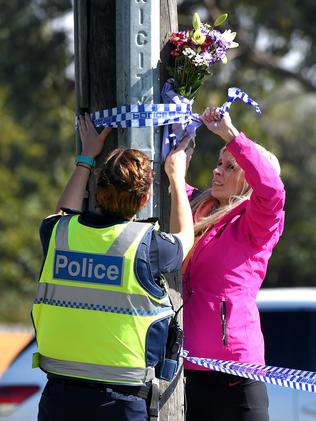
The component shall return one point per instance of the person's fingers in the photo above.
(210, 114)
(204, 119)
(83, 131)
(209, 119)
(217, 113)
(104, 134)
(88, 122)
(210, 110)
(82, 121)
(82, 127)
(183, 144)
(206, 112)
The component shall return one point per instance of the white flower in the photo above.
(229, 37)
(199, 61)
(189, 52)
(234, 45)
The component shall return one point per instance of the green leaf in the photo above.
(196, 21)
(221, 19)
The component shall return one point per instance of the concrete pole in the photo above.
(137, 58)
(143, 28)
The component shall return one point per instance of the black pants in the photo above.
(214, 396)
(64, 401)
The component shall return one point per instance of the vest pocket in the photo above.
(156, 341)
(223, 313)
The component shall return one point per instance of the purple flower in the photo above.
(208, 57)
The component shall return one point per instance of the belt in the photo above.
(140, 391)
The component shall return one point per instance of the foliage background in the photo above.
(37, 140)
(275, 64)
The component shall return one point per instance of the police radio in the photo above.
(170, 363)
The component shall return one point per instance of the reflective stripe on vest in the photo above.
(100, 300)
(62, 232)
(119, 246)
(76, 369)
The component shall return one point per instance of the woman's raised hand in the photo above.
(92, 141)
(177, 160)
(222, 126)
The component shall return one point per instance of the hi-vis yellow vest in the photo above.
(91, 314)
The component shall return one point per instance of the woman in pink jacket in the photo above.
(238, 221)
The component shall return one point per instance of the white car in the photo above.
(288, 319)
(21, 387)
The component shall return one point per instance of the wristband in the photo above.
(83, 159)
(85, 166)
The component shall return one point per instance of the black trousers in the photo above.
(214, 396)
(64, 401)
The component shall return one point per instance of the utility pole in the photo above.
(117, 49)
(95, 67)
(137, 79)
(173, 410)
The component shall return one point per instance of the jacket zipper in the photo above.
(223, 320)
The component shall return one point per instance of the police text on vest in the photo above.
(88, 267)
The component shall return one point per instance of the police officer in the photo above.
(101, 311)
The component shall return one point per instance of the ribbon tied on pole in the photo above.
(175, 114)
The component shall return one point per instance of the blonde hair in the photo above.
(207, 210)
(271, 157)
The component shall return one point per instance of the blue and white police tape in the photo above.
(279, 376)
(175, 132)
(147, 115)
(142, 115)
(235, 94)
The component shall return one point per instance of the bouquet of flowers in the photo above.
(196, 51)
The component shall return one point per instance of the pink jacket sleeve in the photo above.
(190, 190)
(264, 216)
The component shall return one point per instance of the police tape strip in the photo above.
(142, 115)
(148, 115)
(235, 94)
(279, 376)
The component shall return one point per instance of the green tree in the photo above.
(275, 65)
(36, 114)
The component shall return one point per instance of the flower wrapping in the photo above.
(174, 133)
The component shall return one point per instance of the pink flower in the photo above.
(178, 38)
(207, 44)
(174, 53)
